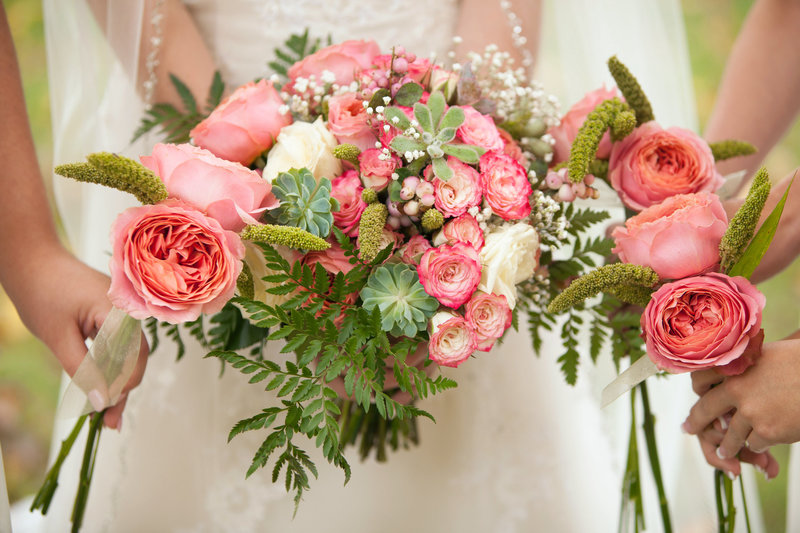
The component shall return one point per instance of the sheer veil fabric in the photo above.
(514, 449)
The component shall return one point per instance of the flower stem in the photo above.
(648, 425)
(631, 482)
(718, 477)
(87, 469)
(727, 484)
(744, 504)
(48, 488)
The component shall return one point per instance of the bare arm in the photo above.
(483, 22)
(760, 92)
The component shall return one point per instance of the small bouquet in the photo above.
(379, 214)
(681, 260)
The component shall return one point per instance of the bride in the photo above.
(514, 448)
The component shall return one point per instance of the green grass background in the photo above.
(29, 375)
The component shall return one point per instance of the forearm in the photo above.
(481, 23)
(759, 96)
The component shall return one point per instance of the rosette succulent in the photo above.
(405, 306)
(305, 203)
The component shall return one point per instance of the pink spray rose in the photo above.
(244, 125)
(377, 168)
(652, 164)
(462, 191)
(347, 190)
(677, 238)
(450, 273)
(565, 133)
(704, 322)
(344, 60)
(463, 229)
(479, 130)
(172, 262)
(452, 339)
(414, 248)
(490, 316)
(347, 120)
(511, 148)
(227, 191)
(505, 186)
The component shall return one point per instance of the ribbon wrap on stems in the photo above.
(639, 371)
(107, 367)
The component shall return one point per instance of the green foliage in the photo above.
(730, 148)
(305, 203)
(404, 305)
(609, 115)
(296, 47)
(743, 224)
(370, 229)
(289, 236)
(175, 124)
(570, 358)
(631, 90)
(605, 278)
(117, 172)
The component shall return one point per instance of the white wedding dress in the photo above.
(514, 448)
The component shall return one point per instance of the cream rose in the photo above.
(304, 145)
(509, 256)
(255, 260)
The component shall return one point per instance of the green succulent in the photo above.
(435, 142)
(305, 202)
(404, 305)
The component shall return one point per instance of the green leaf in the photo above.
(441, 169)
(377, 98)
(403, 144)
(751, 257)
(409, 94)
(423, 116)
(397, 118)
(467, 153)
(446, 135)
(453, 119)
(215, 92)
(186, 95)
(436, 104)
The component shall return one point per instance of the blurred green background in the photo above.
(29, 375)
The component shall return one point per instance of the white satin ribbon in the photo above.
(632, 376)
(5, 508)
(733, 182)
(106, 369)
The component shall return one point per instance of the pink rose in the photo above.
(511, 148)
(479, 130)
(227, 191)
(490, 316)
(677, 238)
(462, 191)
(347, 190)
(377, 168)
(333, 259)
(348, 121)
(452, 340)
(414, 248)
(505, 186)
(464, 229)
(565, 133)
(450, 273)
(345, 61)
(652, 164)
(172, 262)
(703, 322)
(244, 125)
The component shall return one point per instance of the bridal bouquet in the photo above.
(681, 260)
(378, 214)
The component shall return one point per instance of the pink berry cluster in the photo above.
(566, 191)
(416, 197)
(392, 71)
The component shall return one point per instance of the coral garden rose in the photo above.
(172, 262)
(450, 273)
(347, 120)
(377, 168)
(479, 130)
(677, 238)
(344, 61)
(452, 339)
(489, 316)
(505, 186)
(565, 133)
(462, 191)
(245, 124)
(652, 164)
(509, 257)
(412, 252)
(229, 192)
(704, 322)
(347, 189)
(464, 229)
(304, 145)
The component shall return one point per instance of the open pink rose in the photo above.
(347, 190)
(703, 322)
(652, 164)
(511, 148)
(452, 340)
(450, 273)
(464, 229)
(227, 191)
(377, 168)
(505, 186)
(333, 259)
(244, 125)
(565, 133)
(347, 120)
(172, 262)
(490, 316)
(462, 191)
(479, 130)
(677, 238)
(412, 252)
(344, 60)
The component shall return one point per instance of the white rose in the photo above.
(509, 257)
(304, 145)
(452, 339)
